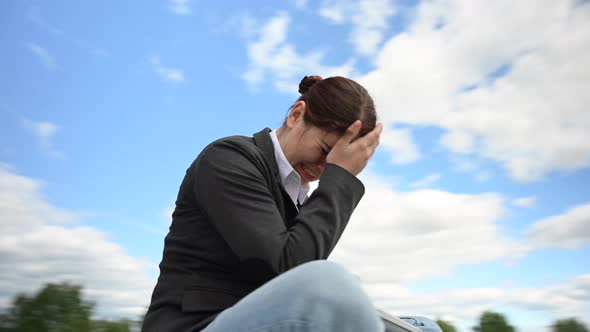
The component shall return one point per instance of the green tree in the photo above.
(5, 322)
(56, 307)
(569, 325)
(110, 326)
(446, 326)
(491, 321)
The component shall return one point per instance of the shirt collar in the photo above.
(289, 177)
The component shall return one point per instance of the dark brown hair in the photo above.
(334, 103)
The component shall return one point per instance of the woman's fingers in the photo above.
(352, 152)
(371, 139)
(375, 135)
(352, 132)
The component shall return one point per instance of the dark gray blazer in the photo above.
(235, 228)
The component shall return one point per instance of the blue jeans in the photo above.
(316, 296)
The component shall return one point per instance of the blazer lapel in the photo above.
(264, 143)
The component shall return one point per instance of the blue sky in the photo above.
(476, 199)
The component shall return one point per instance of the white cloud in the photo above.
(464, 165)
(524, 201)
(425, 181)
(300, 4)
(273, 59)
(336, 11)
(391, 231)
(483, 176)
(568, 230)
(399, 143)
(395, 238)
(34, 15)
(458, 141)
(180, 7)
(463, 306)
(532, 120)
(43, 55)
(41, 243)
(167, 73)
(45, 132)
(368, 18)
(245, 24)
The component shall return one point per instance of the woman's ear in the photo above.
(296, 114)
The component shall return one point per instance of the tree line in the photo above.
(61, 308)
(491, 321)
(58, 308)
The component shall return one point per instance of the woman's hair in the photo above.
(334, 103)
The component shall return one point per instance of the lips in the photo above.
(311, 172)
(308, 174)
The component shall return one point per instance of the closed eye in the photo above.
(325, 148)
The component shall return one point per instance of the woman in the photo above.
(246, 249)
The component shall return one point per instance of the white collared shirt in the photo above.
(289, 177)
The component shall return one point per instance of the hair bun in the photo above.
(307, 82)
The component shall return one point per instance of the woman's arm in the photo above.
(230, 186)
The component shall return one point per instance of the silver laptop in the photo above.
(394, 324)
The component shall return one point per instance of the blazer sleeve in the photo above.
(231, 188)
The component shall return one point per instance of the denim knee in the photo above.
(338, 295)
(326, 272)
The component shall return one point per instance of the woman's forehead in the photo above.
(330, 138)
(327, 137)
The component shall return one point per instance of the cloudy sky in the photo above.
(476, 199)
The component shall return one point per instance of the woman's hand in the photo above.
(352, 153)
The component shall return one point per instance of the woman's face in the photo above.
(305, 146)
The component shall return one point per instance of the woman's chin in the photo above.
(305, 182)
(306, 176)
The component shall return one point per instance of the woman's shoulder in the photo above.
(231, 144)
(236, 150)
